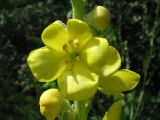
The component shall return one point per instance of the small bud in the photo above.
(98, 18)
(51, 103)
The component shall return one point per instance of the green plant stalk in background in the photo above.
(77, 9)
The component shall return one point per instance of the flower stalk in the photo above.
(77, 9)
(81, 107)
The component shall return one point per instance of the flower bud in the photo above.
(51, 103)
(98, 18)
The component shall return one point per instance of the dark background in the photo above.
(134, 31)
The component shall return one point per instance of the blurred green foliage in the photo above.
(134, 31)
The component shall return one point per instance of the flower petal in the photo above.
(94, 53)
(55, 36)
(78, 84)
(116, 94)
(100, 57)
(114, 111)
(45, 64)
(113, 61)
(79, 30)
(122, 80)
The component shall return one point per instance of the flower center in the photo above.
(71, 49)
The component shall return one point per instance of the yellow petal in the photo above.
(116, 94)
(114, 111)
(121, 80)
(55, 36)
(95, 53)
(100, 57)
(113, 61)
(78, 84)
(79, 30)
(45, 64)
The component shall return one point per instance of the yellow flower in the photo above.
(74, 57)
(114, 111)
(51, 104)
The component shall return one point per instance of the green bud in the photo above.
(98, 18)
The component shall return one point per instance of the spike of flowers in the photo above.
(82, 63)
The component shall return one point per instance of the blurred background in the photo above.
(134, 31)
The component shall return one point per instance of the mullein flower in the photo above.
(73, 56)
(114, 111)
(98, 18)
(51, 104)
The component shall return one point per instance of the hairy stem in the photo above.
(77, 9)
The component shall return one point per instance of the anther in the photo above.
(65, 47)
(75, 43)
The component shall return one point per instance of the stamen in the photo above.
(75, 43)
(65, 47)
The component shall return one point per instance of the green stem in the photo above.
(82, 109)
(68, 112)
(77, 9)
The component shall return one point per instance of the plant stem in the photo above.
(77, 9)
(82, 109)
